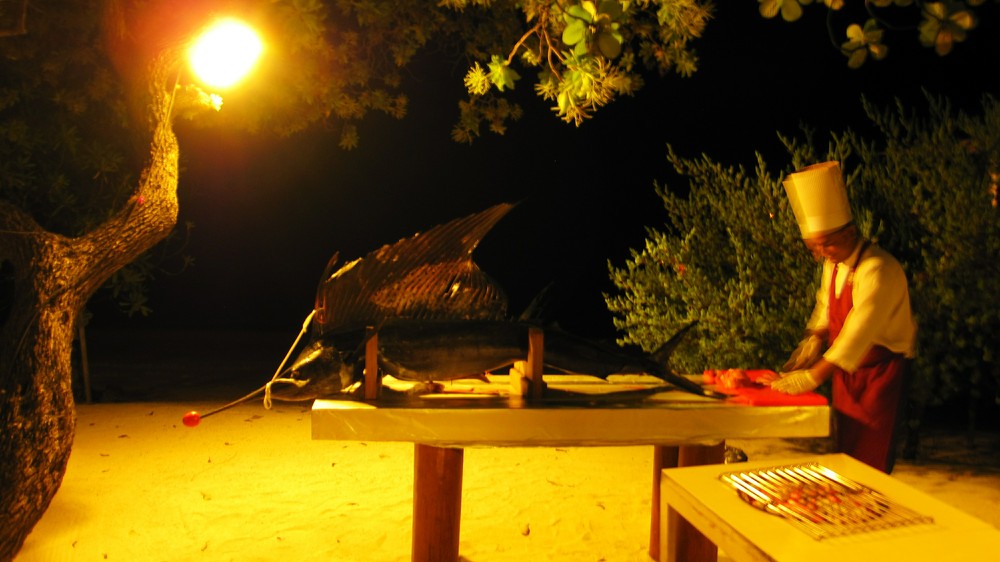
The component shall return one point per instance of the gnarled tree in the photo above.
(49, 277)
(53, 277)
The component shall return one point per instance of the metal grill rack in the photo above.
(820, 502)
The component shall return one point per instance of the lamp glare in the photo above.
(225, 53)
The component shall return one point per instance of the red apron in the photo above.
(867, 401)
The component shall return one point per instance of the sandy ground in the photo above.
(250, 484)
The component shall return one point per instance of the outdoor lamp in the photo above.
(224, 53)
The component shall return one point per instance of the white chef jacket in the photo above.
(880, 314)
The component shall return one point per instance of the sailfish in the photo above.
(438, 317)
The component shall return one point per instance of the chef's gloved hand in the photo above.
(797, 382)
(805, 354)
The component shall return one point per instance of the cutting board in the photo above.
(759, 394)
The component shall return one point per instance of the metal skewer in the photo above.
(819, 501)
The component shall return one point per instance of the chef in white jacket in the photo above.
(861, 334)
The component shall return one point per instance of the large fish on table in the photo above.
(438, 317)
(426, 351)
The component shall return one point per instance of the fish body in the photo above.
(426, 351)
(446, 350)
(429, 351)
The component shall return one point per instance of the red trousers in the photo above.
(868, 408)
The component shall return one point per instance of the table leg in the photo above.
(437, 503)
(663, 457)
(683, 543)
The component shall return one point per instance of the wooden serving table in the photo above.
(683, 429)
(749, 534)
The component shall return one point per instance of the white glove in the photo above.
(796, 382)
(805, 354)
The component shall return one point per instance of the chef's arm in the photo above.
(821, 333)
(804, 380)
(822, 370)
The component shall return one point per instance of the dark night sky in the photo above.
(270, 213)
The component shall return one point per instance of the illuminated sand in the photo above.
(250, 484)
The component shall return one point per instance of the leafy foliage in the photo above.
(730, 254)
(328, 64)
(588, 53)
(944, 24)
(69, 153)
(932, 184)
(941, 25)
(351, 56)
(66, 154)
(864, 40)
(730, 257)
(585, 53)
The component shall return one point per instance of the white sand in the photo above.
(250, 484)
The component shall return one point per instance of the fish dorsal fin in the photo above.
(430, 276)
(328, 270)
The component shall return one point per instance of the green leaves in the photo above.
(729, 256)
(576, 26)
(609, 43)
(729, 252)
(594, 29)
(587, 84)
(494, 111)
(476, 80)
(930, 180)
(942, 24)
(790, 10)
(501, 74)
(945, 23)
(587, 53)
(861, 41)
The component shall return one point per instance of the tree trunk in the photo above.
(54, 276)
(37, 415)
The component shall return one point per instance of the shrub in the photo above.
(731, 257)
(933, 185)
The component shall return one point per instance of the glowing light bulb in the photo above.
(225, 53)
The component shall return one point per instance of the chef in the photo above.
(861, 334)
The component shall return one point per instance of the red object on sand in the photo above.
(191, 418)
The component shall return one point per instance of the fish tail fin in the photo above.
(663, 353)
(662, 358)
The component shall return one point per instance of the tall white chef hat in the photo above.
(819, 198)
